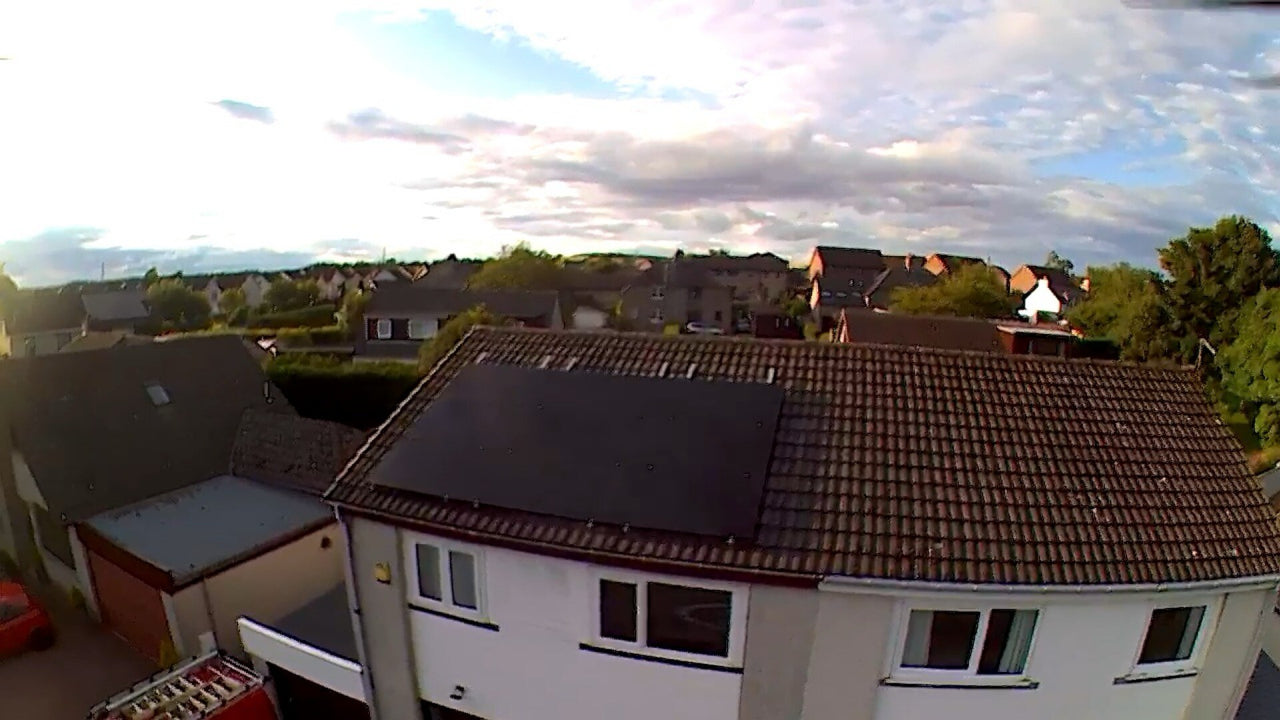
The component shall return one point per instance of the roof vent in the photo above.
(157, 394)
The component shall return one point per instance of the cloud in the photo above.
(372, 124)
(247, 111)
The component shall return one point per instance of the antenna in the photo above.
(1204, 345)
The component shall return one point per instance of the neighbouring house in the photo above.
(449, 274)
(767, 530)
(87, 433)
(962, 333)
(755, 278)
(900, 272)
(1044, 290)
(674, 293)
(206, 285)
(253, 285)
(400, 316)
(334, 281)
(839, 279)
(868, 263)
(771, 322)
(43, 322)
(117, 310)
(941, 264)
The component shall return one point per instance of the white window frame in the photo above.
(1212, 606)
(378, 329)
(444, 605)
(739, 597)
(898, 674)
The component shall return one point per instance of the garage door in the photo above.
(301, 699)
(130, 608)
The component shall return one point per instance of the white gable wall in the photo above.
(1041, 299)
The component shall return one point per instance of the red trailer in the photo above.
(206, 687)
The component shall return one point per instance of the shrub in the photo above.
(360, 395)
(318, 316)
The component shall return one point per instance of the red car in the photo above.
(24, 624)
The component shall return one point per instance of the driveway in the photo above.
(85, 666)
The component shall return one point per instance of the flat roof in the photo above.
(323, 623)
(202, 527)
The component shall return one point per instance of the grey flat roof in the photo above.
(1262, 698)
(208, 525)
(323, 623)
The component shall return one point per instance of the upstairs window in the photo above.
(951, 644)
(382, 329)
(448, 578)
(1172, 635)
(667, 619)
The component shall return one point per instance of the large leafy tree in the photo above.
(177, 306)
(1213, 272)
(519, 267)
(285, 295)
(1057, 262)
(434, 349)
(971, 291)
(1126, 304)
(1251, 365)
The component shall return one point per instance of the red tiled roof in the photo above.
(909, 464)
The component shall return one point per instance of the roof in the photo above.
(292, 451)
(200, 529)
(846, 257)
(1270, 482)
(118, 305)
(1262, 696)
(577, 279)
(908, 464)
(953, 262)
(414, 298)
(126, 448)
(323, 623)
(678, 273)
(449, 274)
(952, 333)
(880, 292)
(1059, 282)
(756, 262)
(103, 340)
(45, 311)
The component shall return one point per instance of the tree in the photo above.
(434, 349)
(151, 277)
(285, 295)
(1250, 365)
(519, 267)
(177, 306)
(8, 295)
(231, 301)
(1126, 304)
(970, 291)
(1054, 261)
(1213, 272)
(796, 307)
(351, 314)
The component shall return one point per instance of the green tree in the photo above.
(351, 314)
(8, 295)
(151, 277)
(1055, 261)
(970, 291)
(519, 267)
(434, 349)
(231, 301)
(796, 307)
(1250, 366)
(1126, 304)
(285, 295)
(1213, 273)
(177, 306)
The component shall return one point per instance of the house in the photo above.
(940, 264)
(116, 310)
(674, 293)
(906, 271)
(43, 322)
(975, 334)
(772, 323)
(254, 286)
(839, 279)
(450, 273)
(90, 432)
(774, 529)
(759, 277)
(1044, 290)
(206, 285)
(399, 317)
(868, 263)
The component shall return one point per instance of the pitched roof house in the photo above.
(906, 271)
(43, 322)
(709, 526)
(1045, 289)
(674, 293)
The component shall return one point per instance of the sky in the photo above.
(243, 134)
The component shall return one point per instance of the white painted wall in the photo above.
(327, 670)
(532, 667)
(1082, 644)
(1041, 299)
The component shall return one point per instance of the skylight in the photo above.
(157, 394)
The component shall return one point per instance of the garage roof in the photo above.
(201, 529)
(323, 623)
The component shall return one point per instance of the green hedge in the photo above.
(360, 395)
(311, 337)
(318, 316)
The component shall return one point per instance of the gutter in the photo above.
(840, 583)
(357, 621)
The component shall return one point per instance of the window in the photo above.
(157, 394)
(421, 329)
(667, 617)
(447, 576)
(1172, 634)
(658, 292)
(383, 329)
(972, 642)
(656, 316)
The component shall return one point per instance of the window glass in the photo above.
(940, 639)
(618, 610)
(462, 579)
(1008, 642)
(429, 571)
(1171, 634)
(384, 329)
(686, 619)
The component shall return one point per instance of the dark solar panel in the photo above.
(665, 454)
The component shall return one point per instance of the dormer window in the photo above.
(159, 396)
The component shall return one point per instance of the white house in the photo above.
(752, 531)
(1041, 299)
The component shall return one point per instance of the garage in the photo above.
(129, 607)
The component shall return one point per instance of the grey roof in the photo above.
(404, 299)
(47, 310)
(105, 339)
(118, 305)
(847, 257)
(192, 532)
(880, 293)
(1270, 481)
(323, 623)
(1261, 699)
(94, 439)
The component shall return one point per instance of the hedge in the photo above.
(318, 316)
(361, 395)
(311, 337)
